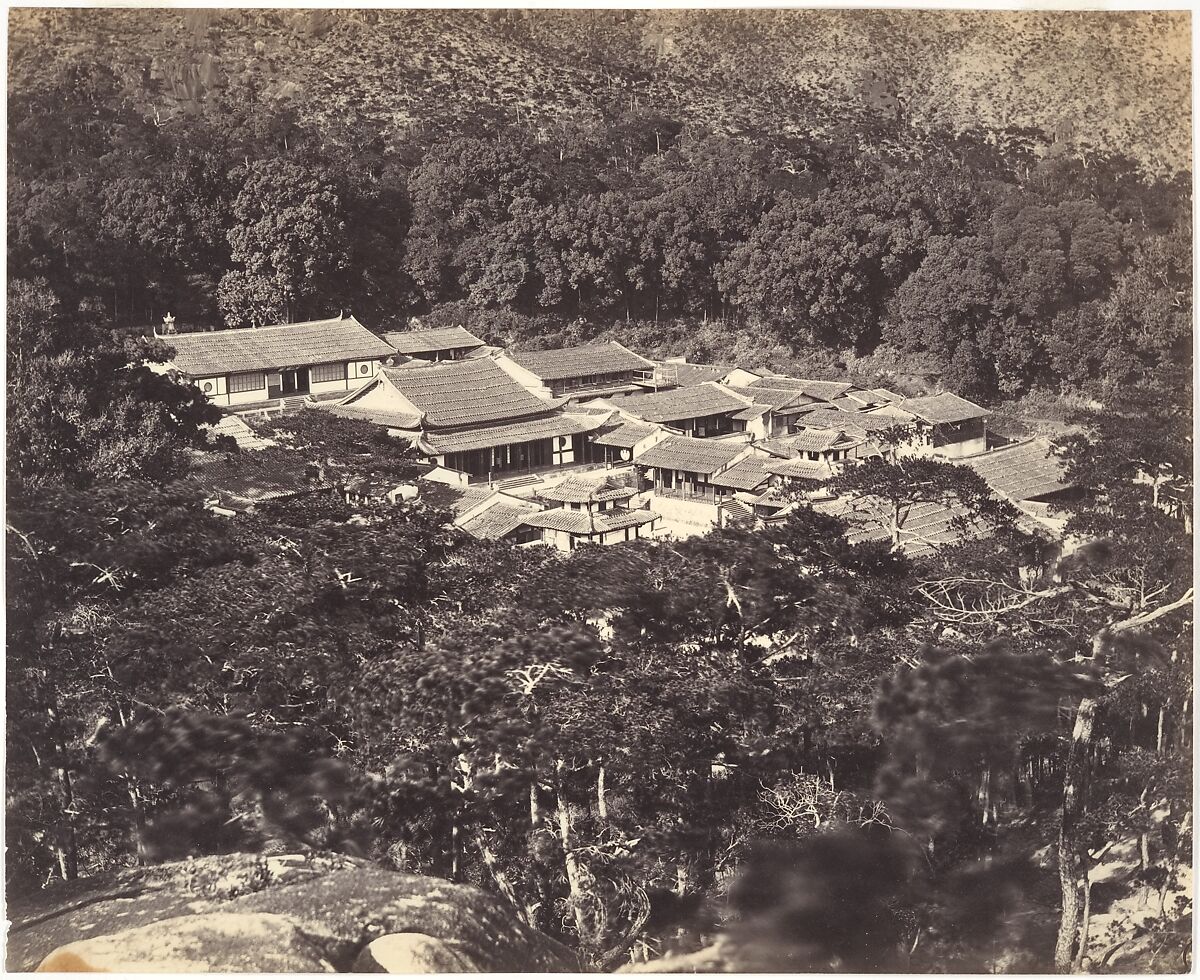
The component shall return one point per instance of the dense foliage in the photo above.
(991, 263)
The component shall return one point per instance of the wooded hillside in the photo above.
(1112, 82)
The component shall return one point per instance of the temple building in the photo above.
(703, 410)
(470, 417)
(318, 358)
(589, 371)
(952, 426)
(435, 343)
(592, 509)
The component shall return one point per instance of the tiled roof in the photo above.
(218, 352)
(945, 407)
(776, 398)
(746, 474)
(498, 519)
(923, 526)
(813, 440)
(848, 404)
(800, 469)
(548, 426)
(824, 390)
(772, 497)
(687, 375)
(578, 362)
(829, 418)
(625, 434)
(589, 522)
(887, 395)
(683, 403)
(751, 413)
(254, 477)
(393, 420)
(737, 512)
(236, 429)
(467, 392)
(464, 498)
(434, 339)
(582, 488)
(692, 455)
(1021, 472)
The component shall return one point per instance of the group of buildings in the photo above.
(597, 443)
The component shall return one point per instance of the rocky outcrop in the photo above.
(219, 942)
(247, 913)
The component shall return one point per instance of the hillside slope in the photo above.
(1098, 81)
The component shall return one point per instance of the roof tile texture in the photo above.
(434, 339)
(216, 352)
(691, 455)
(468, 392)
(675, 404)
(578, 362)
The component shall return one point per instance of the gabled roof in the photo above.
(1022, 471)
(800, 469)
(577, 362)
(824, 390)
(686, 375)
(815, 440)
(581, 488)
(705, 456)
(945, 407)
(746, 474)
(923, 527)
(216, 352)
(248, 478)
(434, 339)
(235, 428)
(775, 398)
(589, 522)
(751, 413)
(463, 499)
(467, 392)
(497, 518)
(697, 401)
(393, 420)
(830, 418)
(548, 426)
(625, 434)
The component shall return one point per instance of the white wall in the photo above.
(442, 474)
(740, 378)
(324, 387)
(219, 393)
(245, 397)
(655, 437)
(385, 397)
(956, 450)
(527, 379)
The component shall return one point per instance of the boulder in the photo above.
(411, 952)
(218, 942)
(336, 903)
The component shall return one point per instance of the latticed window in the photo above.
(329, 372)
(251, 381)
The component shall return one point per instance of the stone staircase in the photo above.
(519, 482)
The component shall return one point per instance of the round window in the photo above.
(208, 387)
(364, 369)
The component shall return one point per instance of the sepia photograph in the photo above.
(592, 490)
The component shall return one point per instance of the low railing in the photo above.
(502, 476)
(708, 497)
